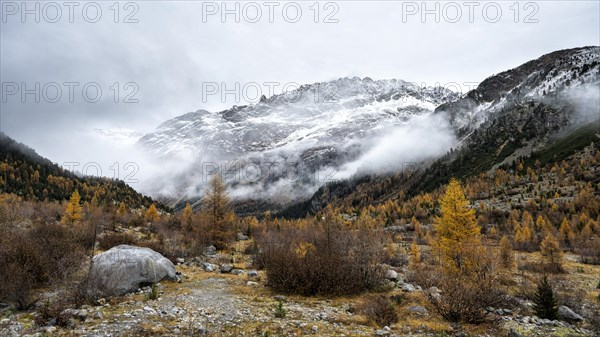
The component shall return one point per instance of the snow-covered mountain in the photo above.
(315, 128)
(315, 114)
(285, 147)
(559, 75)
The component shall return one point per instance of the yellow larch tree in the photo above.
(456, 231)
(507, 256)
(566, 235)
(122, 210)
(186, 216)
(74, 210)
(551, 251)
(218, 212)
(152, 214)
(415, 253)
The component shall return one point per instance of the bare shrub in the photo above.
(380, 310)
(589, 250)
(113, 239)
(322, 260)
(36, 257)
(466, 293)
(464, 299)
(424, 275)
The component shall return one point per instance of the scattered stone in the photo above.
(242, 237)
(98, 315)
(209, 267)
(382, 332)
(226, 268)
(237, 271)
(434, 290)
(253, 273)
(567, 313)
(409, 288)
(210, 251)
(391, 275)
(251, 283)
(279, 298)
(417, 309)
(315, 328)
(180, 260)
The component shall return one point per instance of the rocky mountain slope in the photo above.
(294, 143)
(546, 109)
(300, 133)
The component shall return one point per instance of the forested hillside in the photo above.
(25, 173)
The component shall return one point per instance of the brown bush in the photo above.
(380, 310)
(32, 258)
(589, 250)
(466, 293)
(322, 260)
(464, 299)
(53, 312)
(424, 275)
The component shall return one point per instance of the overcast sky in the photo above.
(167, 55)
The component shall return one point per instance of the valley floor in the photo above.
(219, 304)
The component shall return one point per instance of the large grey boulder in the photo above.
(124, 269)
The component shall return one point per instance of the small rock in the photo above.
(209, 267)
(279, 298)
(382, 332)
(82, 314)
(237, 271)
(242, 237)
(149, 310)
(180, 260)
(253, 273)
(315, 328)
(567, 313)
(98, 315)
(251, 283)
(407, 287)
(434, 290)
(417, 309)
(226, 268)
(210, 251)
(391, 275)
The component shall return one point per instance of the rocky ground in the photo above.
(217, 299)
